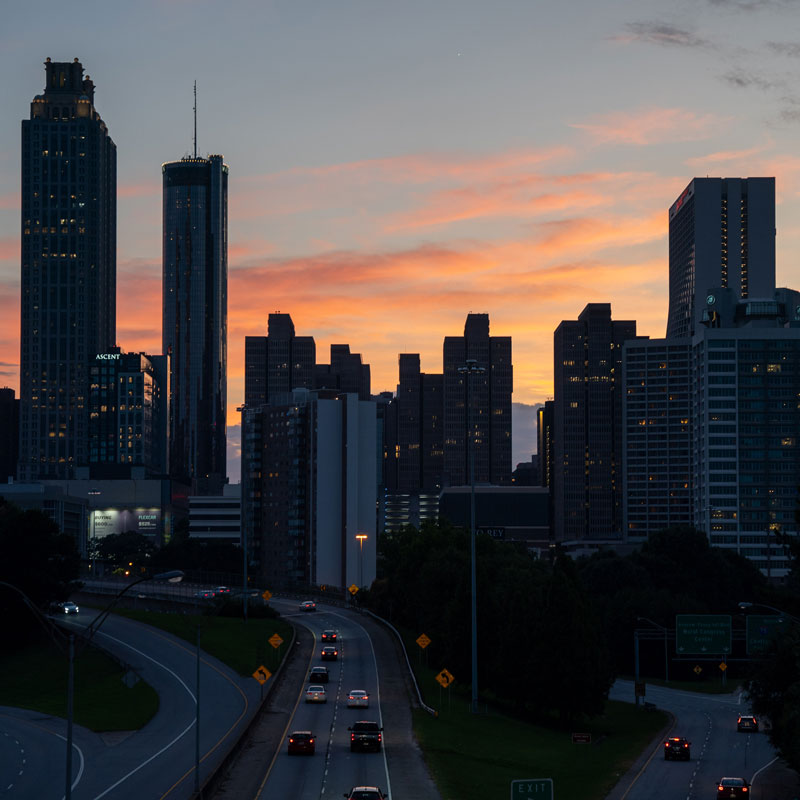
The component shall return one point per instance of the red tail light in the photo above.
(379, 737)
(744, 789)
(291, 741)
(685, 744)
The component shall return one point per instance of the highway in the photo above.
(154, 762)
(333, 770)
(709, 723)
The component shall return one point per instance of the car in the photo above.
(357, 698)
(316, 694)
(747, 723)
(67, 607)
(222, 590)
(204, 594)
(365, 735)
(318, 675)
(329, 636)
(301, 742)
(732, 787)
(676, 747)
(329, 653)
(308, 605)
(365, 793)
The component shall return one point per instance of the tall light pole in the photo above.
(361, 537)
(243, 488)
(55, 631)
(469, 370)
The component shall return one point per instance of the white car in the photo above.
(67, 607)
(316, 694)
(357, 698)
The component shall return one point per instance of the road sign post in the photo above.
(703, 634)
(532, 789)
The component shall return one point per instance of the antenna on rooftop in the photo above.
(195, 119)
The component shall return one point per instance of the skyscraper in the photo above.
(721, 234)
(68, 268)
(587, 425)
(195, 317)
(477, 407)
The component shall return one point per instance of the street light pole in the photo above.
(470, 369)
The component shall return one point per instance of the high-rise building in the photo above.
(587, 425)
(9, 434)
(721, 234)
(128, 415)
(477, 406)
(346, 373)
(657, 382)
(68, 268)
(195, 317)
(278, 362)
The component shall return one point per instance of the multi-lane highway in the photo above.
(333, 769)
(709, 723)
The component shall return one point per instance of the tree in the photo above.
(130, 551)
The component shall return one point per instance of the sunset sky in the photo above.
(396, 165)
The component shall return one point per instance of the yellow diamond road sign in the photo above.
(262, 675)
(698, 669)
(423, 641)
(353, 590)
(723, 666)
(445, 678)
(275, 640)
(266, 594)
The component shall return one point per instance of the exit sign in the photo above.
(532, 788)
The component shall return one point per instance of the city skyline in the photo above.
(394, 169)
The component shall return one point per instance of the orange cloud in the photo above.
(651, 126)
(9, 248)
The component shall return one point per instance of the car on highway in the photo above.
(732, 788)
(308, 605)
(301, 742)
(365, 793)
(329, 653)
(318, 675)
(357, 698)
(67, 607)
(316, 694)
(204, 594)
(676, 747)
(222, 590)
(365, 735)
(747, 723)
(329, 636)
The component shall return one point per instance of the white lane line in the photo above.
(169, 744)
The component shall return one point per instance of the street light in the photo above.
(53, 630)
(744, 606)
(469, 370)
(361, 537)
(666, 656)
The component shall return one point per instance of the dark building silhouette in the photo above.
(346, 373)
(195, 318)
(128, 415)
(9, 434)
(477, 408)
(278, 362)
(68, 269)
(721, 234)
(587, 425)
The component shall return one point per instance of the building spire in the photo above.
(195, 119)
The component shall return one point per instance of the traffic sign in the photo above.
(262, 675)
(275, 640)
(581, 738)
(703, 633)
(423, 641)
(353, 590)
(266, 594)
(445, 678)
(723, 666)
(760, 632)
(532, 788)
(697, 670)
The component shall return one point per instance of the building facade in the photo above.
(195, 317)
(9, 434)
(68, 269)
(587, 425)
(477, 407)
(721, 234)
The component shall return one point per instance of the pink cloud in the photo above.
(9, 248)
(651, 126)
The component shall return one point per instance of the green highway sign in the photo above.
(703, 633)
(760, 632)
(532, 789)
